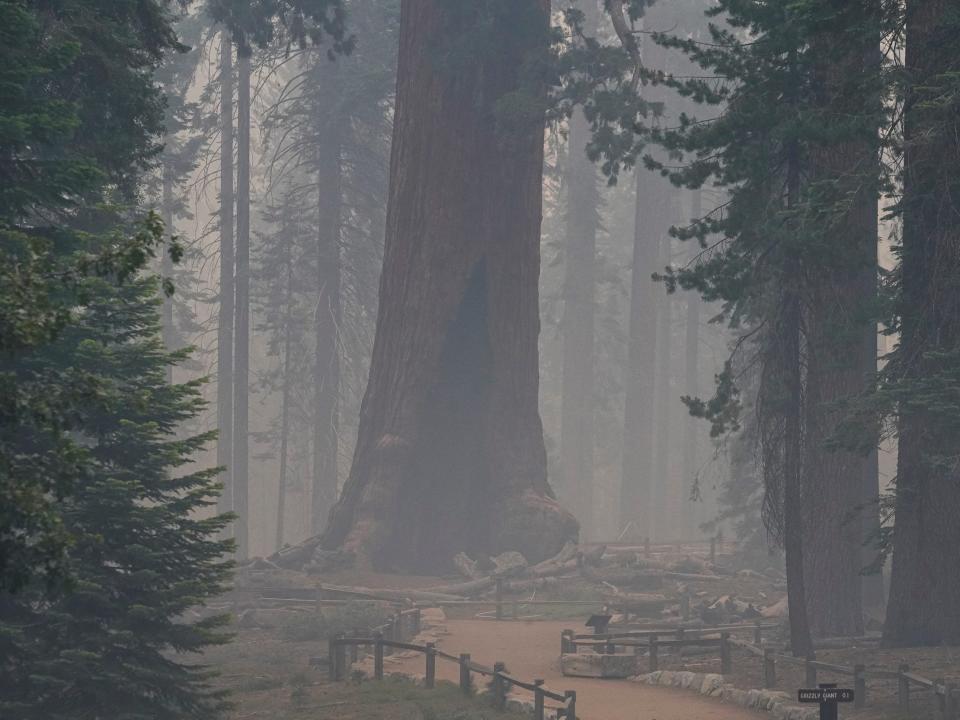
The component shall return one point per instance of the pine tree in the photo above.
(68, 170)
(141, 554)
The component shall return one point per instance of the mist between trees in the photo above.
(414, 255)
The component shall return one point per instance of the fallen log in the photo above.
(467, 588)
(387, 594)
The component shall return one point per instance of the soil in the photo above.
(531, 651)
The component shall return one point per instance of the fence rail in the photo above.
(501, 680)
(654, 639)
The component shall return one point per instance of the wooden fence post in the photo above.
(499, 598)
(713, 549)
(515, 609)
(465, 683)
(378, 655)
(332, 657)
(859, 686)
(769, 669)
(810, 670)
(653, 653)
(417, 621)
(571, 711)
(947, 701)
(758, 634)
(538, 700)
(355, 647)
(726, 661)
(499, 686)
(903, 686)
(429, 677)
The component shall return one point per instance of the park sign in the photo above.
(825, 695)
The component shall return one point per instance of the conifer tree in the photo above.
(141, 554)
(68, 169)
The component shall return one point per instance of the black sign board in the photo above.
(825, 695)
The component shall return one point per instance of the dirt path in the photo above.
(530, 650)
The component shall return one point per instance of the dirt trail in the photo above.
(530, 650)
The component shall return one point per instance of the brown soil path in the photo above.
(530, 650)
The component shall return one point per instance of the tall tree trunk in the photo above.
(788, 368)
(450, 453)
(636, 480)
(923, 606)
(327, 361)
(166, 269)
(841, 335)
(241, 387)
(577, 327)
(691, 508)
(227, 261)
(285, 403)
(664, 487)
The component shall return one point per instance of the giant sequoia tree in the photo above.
(925, 581)
(450, 453)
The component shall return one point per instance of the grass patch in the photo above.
(312, 627)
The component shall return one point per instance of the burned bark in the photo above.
(450, 454)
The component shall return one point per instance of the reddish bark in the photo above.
(450, 453)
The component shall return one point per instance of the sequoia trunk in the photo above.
(450, 454)
(925, 579)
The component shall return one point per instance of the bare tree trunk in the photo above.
(166, 269)
(227, 260)
(577, 327)
(285, 404)
(241, 387)
(636, 483)
(691, 508)
(923, 606)
(450, 453)
(327, 361)
(664, 487)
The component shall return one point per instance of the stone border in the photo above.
(778, 704)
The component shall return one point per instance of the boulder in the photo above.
(598, 666)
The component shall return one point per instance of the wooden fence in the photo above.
(501, 680)
(655, 639)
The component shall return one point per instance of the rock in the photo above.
(778, 610)
(432, 617)
(466, 567)
(711, 684)
(509, 564)
(598, 666)
(747, 573)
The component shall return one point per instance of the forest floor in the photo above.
(267, 667)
